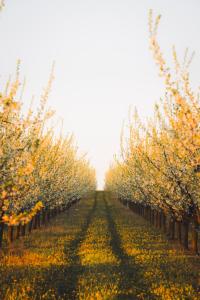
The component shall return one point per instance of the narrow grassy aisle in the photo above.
(97, 250)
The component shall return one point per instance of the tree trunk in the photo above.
(171, 229)
(23, 230)
(160, 220)
(18, 231)
(185, 234)
(179, 231)
(38, 220)
(148, 214)
(35, 222)
(152, 215)
(10, 234)
(30, 226)
(1, 234)
(48, 215)
(44, 217)
(195, 238)
(164, 223)
(196, 223)
(156, 218)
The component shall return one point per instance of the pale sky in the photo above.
(103, 62)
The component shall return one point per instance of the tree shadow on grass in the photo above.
(72, 272)
(131, 283)
(176, 267)
(62, 280)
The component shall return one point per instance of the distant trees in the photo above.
(2, 4)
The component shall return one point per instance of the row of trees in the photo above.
(39, 172)
(159, 168)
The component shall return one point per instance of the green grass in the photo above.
(98, 250)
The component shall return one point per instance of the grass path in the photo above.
(98, 250)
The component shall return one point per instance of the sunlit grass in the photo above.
(97, 250)
(167, 271)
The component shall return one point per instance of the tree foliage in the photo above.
(37, 169)
(160, 160)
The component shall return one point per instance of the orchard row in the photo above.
(39, 172)
(158, 173)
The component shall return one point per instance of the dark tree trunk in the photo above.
(10, 234)
(185, 234)
(1, 234)
(153, 218)
(30, 226)
(179, 231)
(18, 231)
(171, 228)
(44, 217)
(35, 222)
(160, 220)
(38, 217)
(164, 223)
(172, 224)
(23, 230)
(195, 237)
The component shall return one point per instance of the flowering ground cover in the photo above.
(98, 250)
